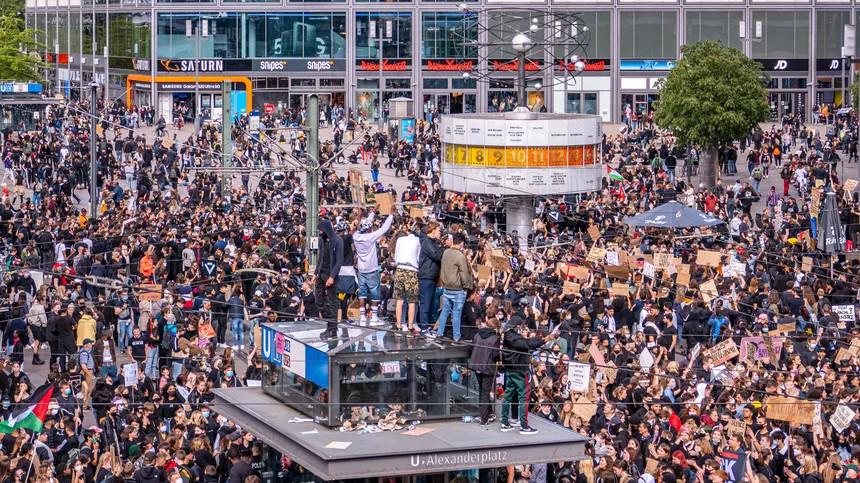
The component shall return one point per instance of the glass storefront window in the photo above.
(87, 32)
(597, 38)
(724, 27)
(501, 101)
(252, 35)
(395, 28)
(504, 25)
(129, 35)
(785, 34)
(828, 32)
(397, 83)
(435, 83)
(649, 34)
(445, 36)
(366, 103)
(458, 83)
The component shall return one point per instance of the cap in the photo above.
(88, 341)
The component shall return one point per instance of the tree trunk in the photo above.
(709, 167)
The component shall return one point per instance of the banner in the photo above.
(734, 463)
(755, 349)
(845, 313)
(842, 418)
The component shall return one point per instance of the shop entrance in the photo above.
(641, 103)
(298, 101)
(786, 103)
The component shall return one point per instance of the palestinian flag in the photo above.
(30, 414)
(613, 175)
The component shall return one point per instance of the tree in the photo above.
(713, 96)
(19, 59)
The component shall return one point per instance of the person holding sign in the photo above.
(367, 265)
(515, 356)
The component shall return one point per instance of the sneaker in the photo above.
(235, 347)
(374, 320)
(485, 422)
(362, 320)
(492, 418)
(515, 423)
(507, 427)
(241, 347)
(528, 430)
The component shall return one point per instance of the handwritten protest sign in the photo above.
(708, 258)
(150, 292)
(737, 428)
(594, 232)
(721, 353)
(842, 417)
(664, 261)
(596, 255)
(709, 291)
(648, 270)
(385, 202)
(611, 372)
(484, 273)
(570, 288)
(619, 290)
(579, 376)
(845, 313)
(761, 348)
(806, 265)
(793, 410)
(612, 259)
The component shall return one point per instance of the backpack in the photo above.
(168, 338)
(757, 175)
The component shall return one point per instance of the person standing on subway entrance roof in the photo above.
(367, 265)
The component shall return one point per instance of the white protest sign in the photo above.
(842, 417)
(530, 265)
(612, 259)
(845, 313)
(129, 373)
(648, 269)
(579, 376)
(646, 360)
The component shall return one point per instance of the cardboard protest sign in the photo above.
(736, 427)
(721, 353)
(664, 261)
(594, 232)
(842, 417)
(501, 263)
(578, 272)
(385, 202)
(709, 291)
(651, 465)
(815, 202)
(579, 376)
(792, 410)
(708, 258)
(611, 372)
(596, 255)
(683, 278)
(597, 356)
(570, 288)
(620, 272)
(484, 273)
(806, 265)
(761, 348)
(150, 292)
(584, 408)
(417, 212)
(619, 290)
(845, 313)
(784, 328)
(205, 330)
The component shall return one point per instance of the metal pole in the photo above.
(381, 81)
(521, 80)
(197, 75)
(842, 79)
(94, 189)
(565, 86)
(313, 188)
(226, 139)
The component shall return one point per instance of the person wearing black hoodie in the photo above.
(149, 473)
(328, 268)
(429, 263)
(516, 356)
(485, 354)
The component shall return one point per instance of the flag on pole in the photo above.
(30, 414)
(613, 175)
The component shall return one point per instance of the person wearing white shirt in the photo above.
(367, 265)
(406, 255)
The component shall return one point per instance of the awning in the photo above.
(450, 446)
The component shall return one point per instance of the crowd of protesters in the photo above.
(157, 278)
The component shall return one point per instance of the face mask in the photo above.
(205, 414)
(163, 429)
(54, 412)
(229, 373)
(6, 404)
(67, 391)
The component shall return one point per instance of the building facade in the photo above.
(175, 54)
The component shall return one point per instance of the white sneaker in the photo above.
(242, 347)
(362, 320)
(44, 346)
(374, 320)
(235, 347)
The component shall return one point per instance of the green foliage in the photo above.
(714, 95)
(19, 60)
